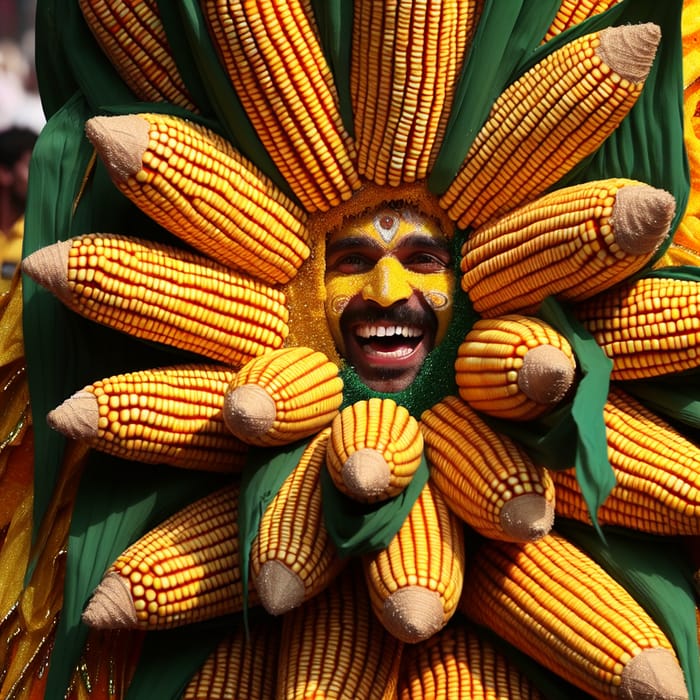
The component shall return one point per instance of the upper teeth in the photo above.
(369, 331)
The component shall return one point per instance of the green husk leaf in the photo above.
(676, 397)
(507, 34)
(334, 20)
(357, 528)
(657, 574)
(117, 502)
(222, 96)
(648, 145)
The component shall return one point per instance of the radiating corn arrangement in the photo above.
(300, 534)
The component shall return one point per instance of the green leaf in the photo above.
(656, 573)
(117, 502)
(222, 96)
(357, 528)
(507, 34)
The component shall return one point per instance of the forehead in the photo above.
(388, 226)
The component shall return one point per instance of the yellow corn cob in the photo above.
(284, 396)
(574, 12)
(514, 367)
(243, 665)
(131, 34)
(375, 449)
(159, 293)
(647, 327)
(193, 183)
(458, 662)
(334, 647)
(276, 65)
(169, 416)
(407, 56)
(293, 557)
(185, 570)
(486, 479)
(656, 469)
(549, 119)
(558, 606)
(415, 583)
(572, 243)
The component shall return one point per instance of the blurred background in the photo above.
(21, 119)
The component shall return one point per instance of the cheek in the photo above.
(438, 291)
(340, 289)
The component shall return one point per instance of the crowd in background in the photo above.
(21, 119)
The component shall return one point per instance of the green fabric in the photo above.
(118, 501)
(506, 35)
(656, 572)
(357, 528)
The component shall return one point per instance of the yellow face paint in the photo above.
(392, 268)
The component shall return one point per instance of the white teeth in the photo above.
(370, 331)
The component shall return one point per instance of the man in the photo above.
(389, 289)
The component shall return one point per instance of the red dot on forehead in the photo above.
(387, 221)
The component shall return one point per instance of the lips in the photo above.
(389, 343)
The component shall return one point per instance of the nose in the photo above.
(387, 283)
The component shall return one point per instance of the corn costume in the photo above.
(289, 521)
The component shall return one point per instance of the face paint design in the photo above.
(389, 286)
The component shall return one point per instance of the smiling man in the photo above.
(389, 287)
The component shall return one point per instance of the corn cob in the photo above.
(242, 666)
(276, 65)
(486, 479)
(193, 183)
(168, 416)
(549, 119)
(514, 367)
(657, 472)
(647, 327)
(159, 293)
(292, 557)
(458, 662)
(557, 605)
(284, 396)
(375, 449)
(572, 243)
(132, 36)
(415, 583)
(407, 57)
(183, 571)
(334, 647)
(573, 12)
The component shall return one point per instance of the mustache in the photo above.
(396, 315)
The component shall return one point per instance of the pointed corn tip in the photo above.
(366, 474)
(630, 49)
(641, 218)
(279, 588)
(120, 141)
(653, 674)
(413, 614)
(249, 412)
(527, 518)
(546, 374)
(76, 417)
(48, 267)
(111, 605)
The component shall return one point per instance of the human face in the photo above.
(389, 288)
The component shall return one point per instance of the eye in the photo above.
(351, 264)
(425, 262)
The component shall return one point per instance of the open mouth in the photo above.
(389, 342)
